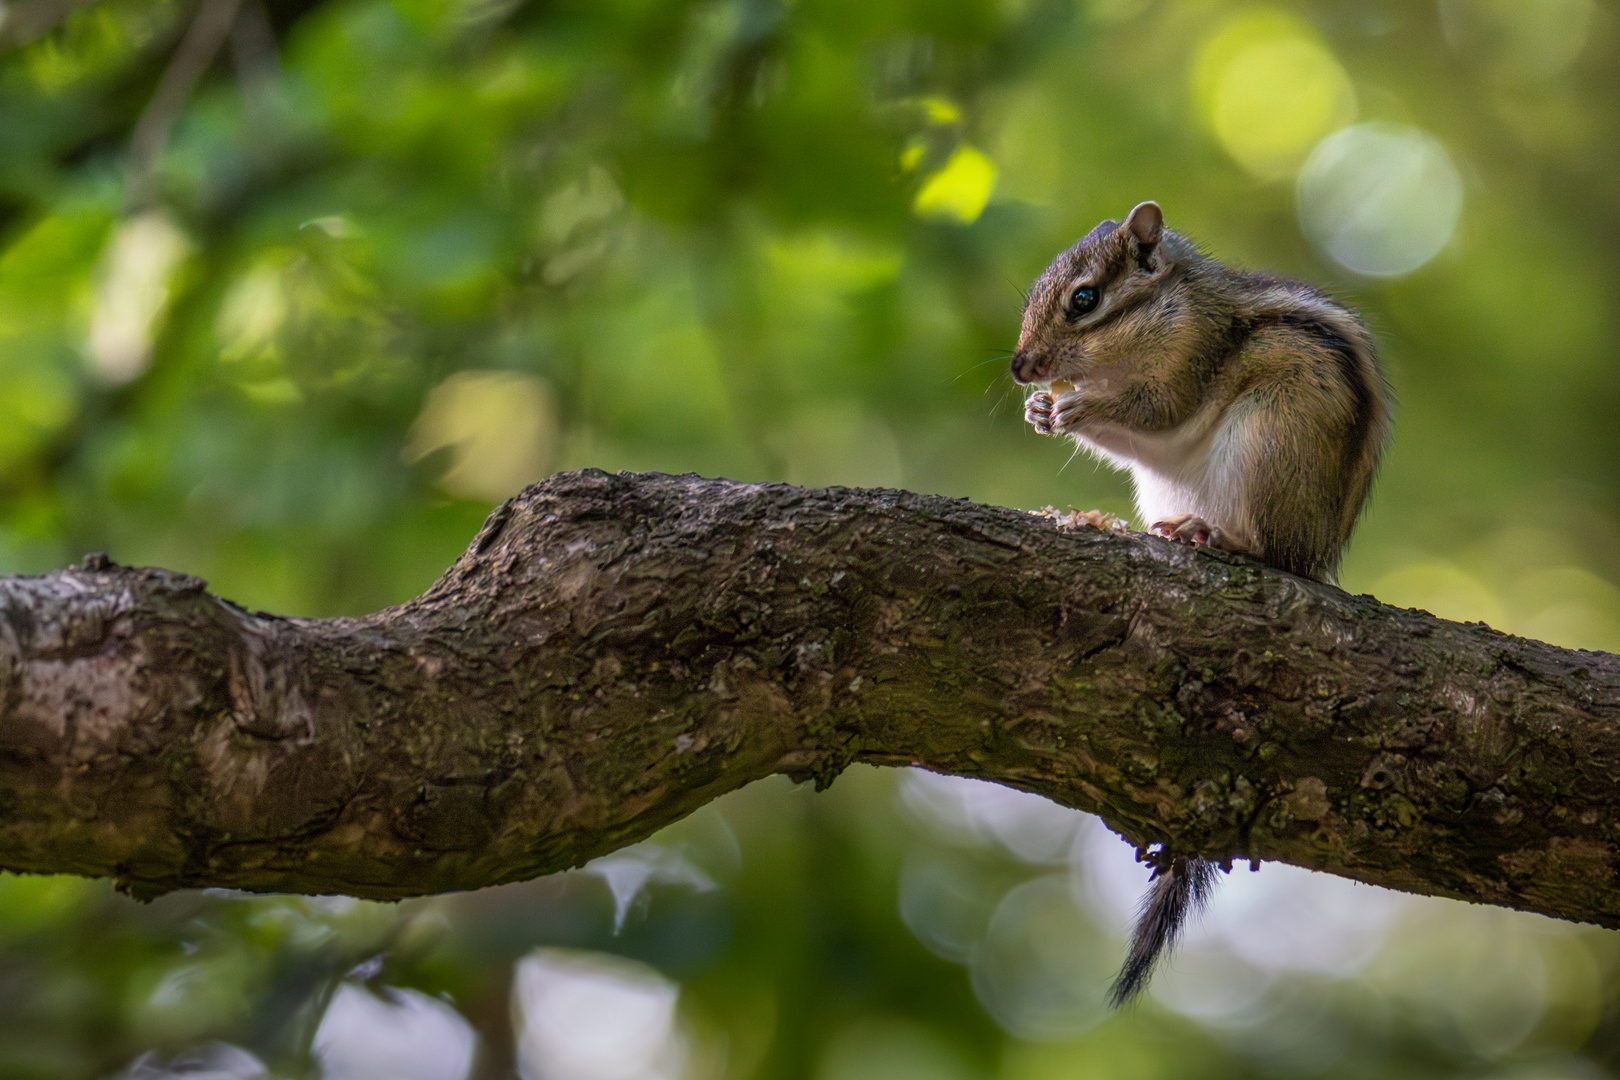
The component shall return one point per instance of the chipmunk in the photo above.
(1249, 409)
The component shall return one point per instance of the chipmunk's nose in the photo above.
(1027, 367)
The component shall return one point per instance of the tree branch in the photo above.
(614, 651)
(196, 51)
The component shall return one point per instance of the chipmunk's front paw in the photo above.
(1069, 411)
(1038, 411)
(1189, 529)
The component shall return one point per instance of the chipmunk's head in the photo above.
(1100, 303)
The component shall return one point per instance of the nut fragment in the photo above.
(1084, 519)
(1061, 386)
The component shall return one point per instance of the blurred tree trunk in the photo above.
(614, 651)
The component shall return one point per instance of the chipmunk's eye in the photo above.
(1083, 301)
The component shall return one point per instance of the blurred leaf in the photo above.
(960, 190)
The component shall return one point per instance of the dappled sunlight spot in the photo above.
(333, 907)
(133, 295)
(1574, 624)
(961, 188)
(1035, 829)
(272, 393)
(1519, 40)
(466, 14)
(591, 1016)
(304, 319)
(193, 997)
(629, 871)
(571, 224)
(313, 921)
(212, 1061)
(833, 260)
(945, 905)
(1566, 606)
(939, 110)
(56, 62)
(252, 314)
(1285, 918)
(881, 1048)
(912, 155)
(569, 264)
(578, 205)
(400, 1034)
(336, 226)
(501, 429)
(838, 444)
(1380, 199)
(1532, 575)
(1043, 968)
(1269, 88)
(1444, 589)
(704, 839)
(177, 986)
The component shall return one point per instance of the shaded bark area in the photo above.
(611, 652)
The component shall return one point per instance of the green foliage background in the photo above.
(396, 259)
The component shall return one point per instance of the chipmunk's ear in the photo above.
(1145, 224)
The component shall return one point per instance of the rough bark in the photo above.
(612, 652)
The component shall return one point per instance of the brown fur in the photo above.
(1248, 404)
(1249, 409)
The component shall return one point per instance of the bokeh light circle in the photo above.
(1044, 966)
(1269, 88)
(1380, 199)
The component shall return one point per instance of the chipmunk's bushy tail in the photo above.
(1178, 891)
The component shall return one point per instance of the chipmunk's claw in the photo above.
(1189, 529)
(1038, 411)
(1068, 411)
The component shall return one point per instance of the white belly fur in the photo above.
(1196, 468)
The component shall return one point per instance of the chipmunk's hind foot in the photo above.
(1190, 529)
